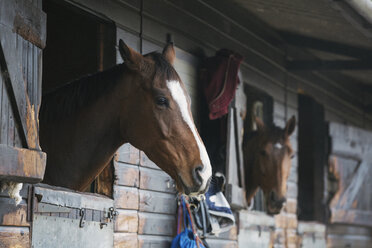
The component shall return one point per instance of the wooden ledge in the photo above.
(21, 165)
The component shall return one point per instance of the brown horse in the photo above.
(142, 101)
(267, 160)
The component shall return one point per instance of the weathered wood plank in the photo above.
(292, 190)
(126, 221)
(215, 243)
(146, 162)
(351, 216)
(255, 218)
(234, 30)
(26, 19)
(286, 220)
(53, 231)
(156, 224)
(348, 196)
(12, 215)
(255, 238)
(126, 174)
(14, 237)
(128, 154)
(4, 115)
(104, 182)
(21, 164)
(156, 180)
(205, 33)
(348, 241)
(349, 141)
(125, 240)
(291, 206)
(20, 102)
(123, 14)
(156, 202)
(153, 241)
(311, 227)
(126, 197)
(65, 197)
(339, 229)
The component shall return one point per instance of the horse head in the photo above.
(157, 119)
(267, 157)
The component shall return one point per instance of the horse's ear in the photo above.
(169, 53)
(131, 58)
(259, 124)
(290, 126)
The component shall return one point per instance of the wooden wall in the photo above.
(351, 206)
(144, 195)
(14, 227)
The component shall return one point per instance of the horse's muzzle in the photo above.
(275, 203)
(198, 187)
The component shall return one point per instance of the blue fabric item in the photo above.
(185, 239)
(216, 201)
(218, 207)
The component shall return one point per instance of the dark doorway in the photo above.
(78, 43)
(312, 159)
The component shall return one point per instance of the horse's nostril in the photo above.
(196, 175)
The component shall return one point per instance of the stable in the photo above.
(300, 59)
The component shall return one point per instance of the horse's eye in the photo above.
(162, 101)
(263, 153)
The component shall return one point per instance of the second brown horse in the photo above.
(267, 160)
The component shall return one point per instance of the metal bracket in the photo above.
(111, 215)
(82, 221)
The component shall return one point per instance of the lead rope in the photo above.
(197, 238)
(179, 219)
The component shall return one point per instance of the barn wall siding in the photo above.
(263, 68)
(144, 195)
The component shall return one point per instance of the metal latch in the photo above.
(82, 221)
(112, 213)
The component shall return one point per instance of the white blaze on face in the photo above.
(179, 97)
(278, 146)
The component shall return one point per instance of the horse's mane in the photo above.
(65, 100)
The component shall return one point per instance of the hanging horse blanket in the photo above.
(219, 76)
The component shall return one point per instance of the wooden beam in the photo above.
(351, 216)
(326, 45)
(21, 165)
(321, 65)
(73, 199)
(14, 237)
(24, 18)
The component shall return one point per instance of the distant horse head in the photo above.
(142, 101)
(157, 119)
(267, 158)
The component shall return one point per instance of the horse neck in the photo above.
(81, 145)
